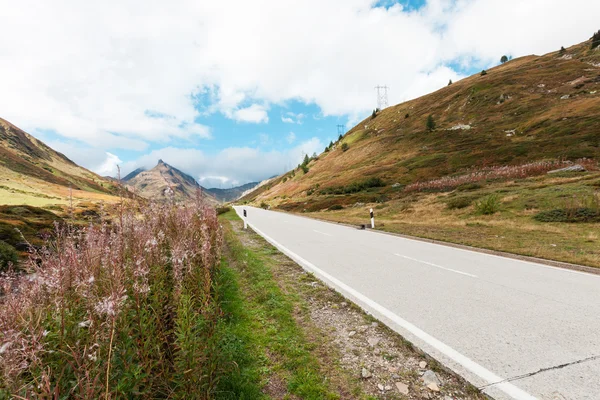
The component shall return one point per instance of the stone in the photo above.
(395, 185)
(365, 373)
(388, 387)
(377, 352)
(393, 369)
(431, 380)
(380, 387)
(402, 387)
(395, 377)
(571, 168)
(373, 341)
(343, 304)
(423, 365)
(352, 333)
(565, 97)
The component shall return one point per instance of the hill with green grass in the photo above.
(526, 110)
(470, 163)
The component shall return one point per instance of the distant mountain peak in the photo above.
(161, 162)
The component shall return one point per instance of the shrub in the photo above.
(8, 256)
(304, 169)
(340, 137)
(264, 206)
(118, 310)
(488, 205)
(430, 123)
(223, 210)
(450, 82)
(483, 73)
(345, 146)
(336, 207)
(562, 50)
(406, 116)
(374, 114)
(503, 59)
(571, 215)
(596, 40)
(459, 203)
(355, 187)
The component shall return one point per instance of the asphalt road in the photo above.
(517, 329)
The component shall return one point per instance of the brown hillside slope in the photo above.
(31, 173)
(528, 109)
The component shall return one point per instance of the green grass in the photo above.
(260, 334)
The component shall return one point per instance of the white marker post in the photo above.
(372, 219)
(245, 223)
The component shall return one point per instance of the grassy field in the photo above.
(513, 224)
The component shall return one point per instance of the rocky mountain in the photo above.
(525, 110)
(164, 181)
(231, 194)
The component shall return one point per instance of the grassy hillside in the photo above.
(497, 134)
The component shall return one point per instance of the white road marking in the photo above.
(482, 372)
(437, 266)
(322, 233)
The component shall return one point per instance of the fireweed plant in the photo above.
(121, 309)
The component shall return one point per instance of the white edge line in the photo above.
(467, 363)
(437, 266)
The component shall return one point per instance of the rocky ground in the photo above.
(358, 354)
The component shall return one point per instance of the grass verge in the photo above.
(260, 334)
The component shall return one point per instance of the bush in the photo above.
(450, 82)
(374, 114)
(430, 123)
(459, 203)
(406, 116)
(264, 206)
(345, 146)
(562, 50)
(120, 310)
(596, 40)
(8, 256)
(503, 59)
(571, 215)
(355, 187)
(304, 169)
(488, 205)
(483, 73)
(336, 207)
(223, 210)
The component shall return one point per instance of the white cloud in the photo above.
(287, 120)
(233, 164)
(291, 138)
(109, 166)
(124, 74)
(255, 114)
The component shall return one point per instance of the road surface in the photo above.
(516, 329)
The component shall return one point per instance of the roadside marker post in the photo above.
(245, 223)
(372, 219)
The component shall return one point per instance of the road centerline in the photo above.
(437, 266)
(322, 233)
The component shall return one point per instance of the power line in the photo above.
(382, 97)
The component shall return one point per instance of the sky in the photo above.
(237, 91)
